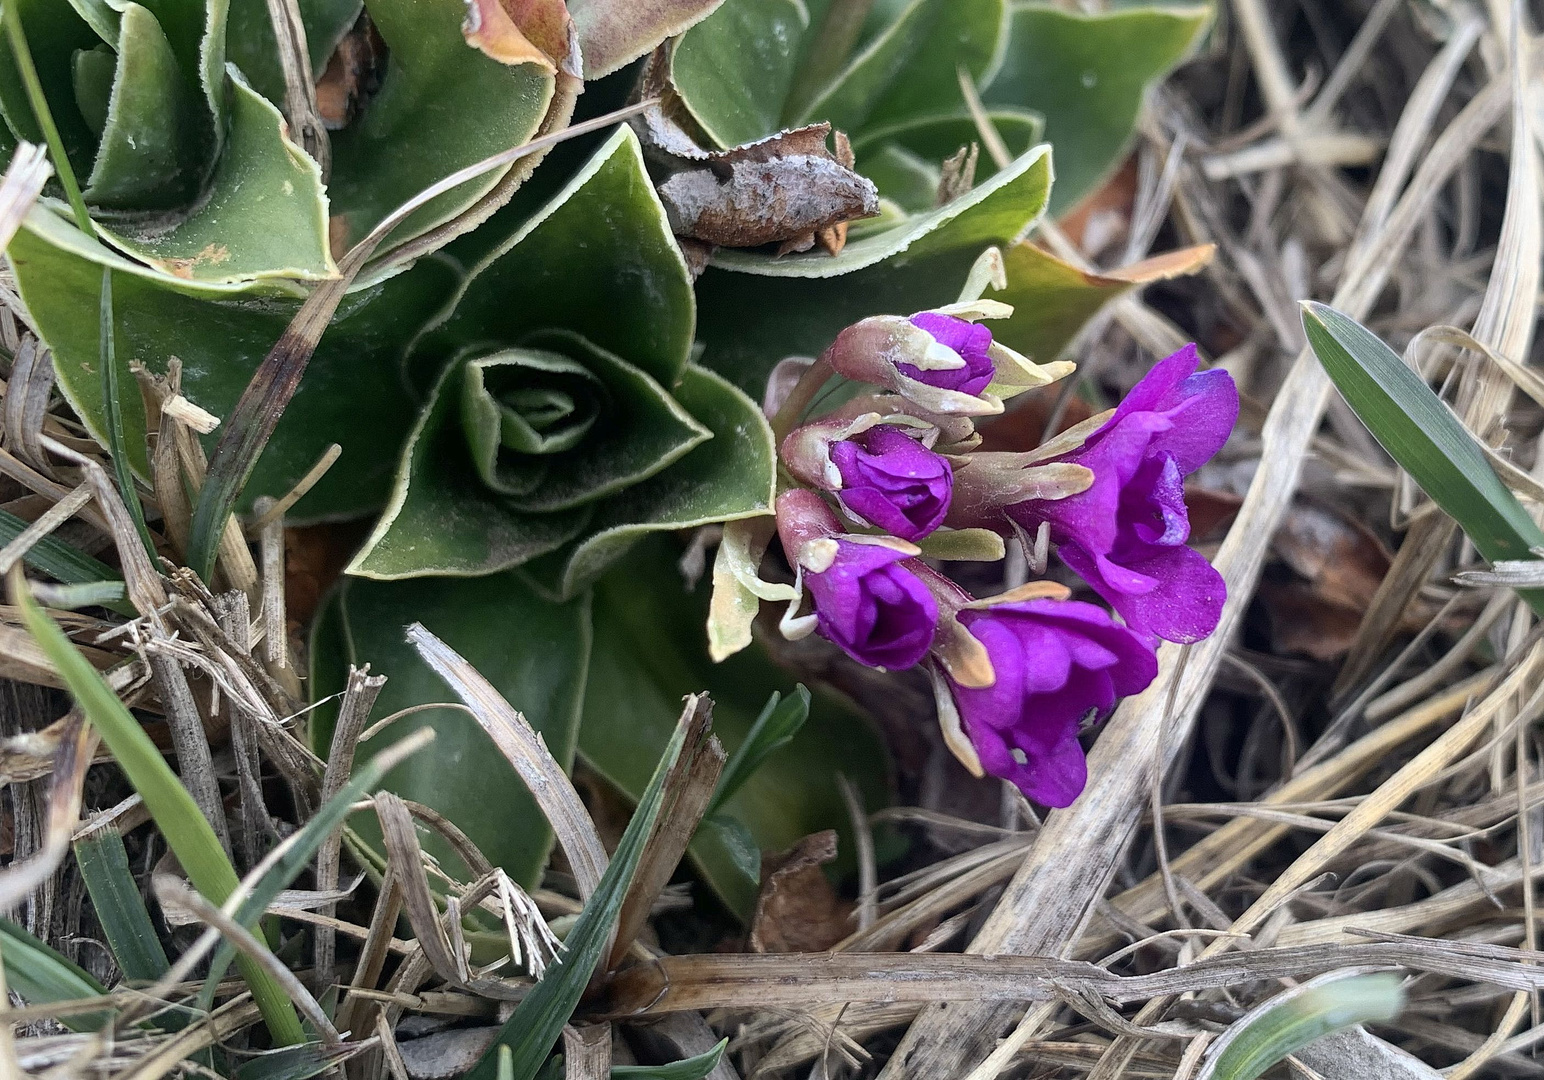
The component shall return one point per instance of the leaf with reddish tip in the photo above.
(489, 29)
(614, 33)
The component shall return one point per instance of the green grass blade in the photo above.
(692, 1068)
(43, 977)
(1421, 433)
(302, 848)
(538, 1020)
(175, 813)
(780, 720)
(104, 865)
(62, 562)
(1286, 1024)
(113, 413)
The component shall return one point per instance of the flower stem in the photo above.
(29, 77)
(799, 398)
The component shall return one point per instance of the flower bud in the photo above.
(866, 601)
(883, 473)
(906, 358)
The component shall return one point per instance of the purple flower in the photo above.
(1125, 535)
(892, 481)
(873, 607)
(970, 340)
(1056, 662)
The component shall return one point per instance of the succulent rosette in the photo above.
(565, 419)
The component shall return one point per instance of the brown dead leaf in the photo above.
(785, 187)
(614, 33)
(958, 174)
(1103, 215)
(523, 32)
(353, 73)
(797, 910)
(1340, 564)
(314, 558)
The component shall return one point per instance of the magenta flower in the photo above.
(1056, 661)
(892, 481)
(1125, 535)
(970, 340)
(866, 600)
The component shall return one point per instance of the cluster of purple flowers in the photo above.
(1018, 674)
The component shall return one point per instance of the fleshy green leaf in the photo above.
(930, 139)
(351, 393)
(639, 428)
(599, 260)
(637, 678)
(730, 476)
(264, 215)
(1292, 1020)
(55, 33)
(1421, 433)
(735, 68)
(442, 106)
(154, 136)
(1086, 74)
(756, 310)
(536, 655)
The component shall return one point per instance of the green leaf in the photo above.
(692, 1068)
(756, 310)
(1086, 74)
(118, 905)
(1421, 433)
(780, 720)
(536, 655)
(250, 45)
(637, 679)
(42, 977)
(54, 33)
(599, 260)
(538, 1020)
(929, 140)
(62, 562)
(176, 815)
(294, 1062)
(911, 67)
(94, 70)
(1291, 1020)
(442, 106)
(113, 397)
(1051, 301)
(639, 428)
(154, 135)
(263, 216)
(734, 69)
(731, 476)
(351, 393)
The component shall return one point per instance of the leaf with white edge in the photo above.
(155, 132)
(637, 678)
(598, 259)
(1087, 75)
(441, 107)
(221, 332)
(1424, 436)
(756, 310)
(442, 519)
(731, 476)
(614, 33)
(535, 653)
(1295, 1018)
(734, 69)
(911, 66)
(55, 33)
(930, 139)
(264, 215)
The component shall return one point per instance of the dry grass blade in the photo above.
(77, 744)
(520, 744)
(587, 1052)
(688, 790)
(46, 523)
(20, 187)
